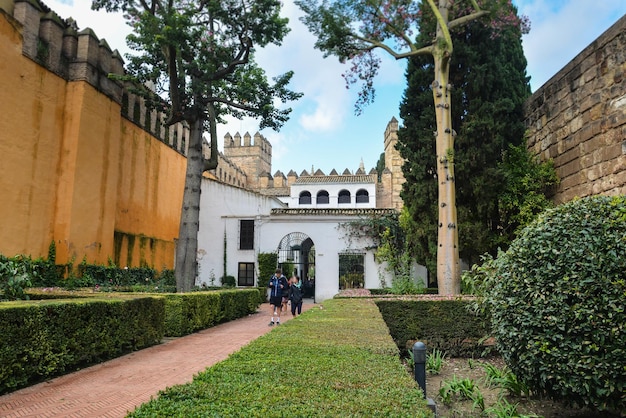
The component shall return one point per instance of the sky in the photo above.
(323, 131)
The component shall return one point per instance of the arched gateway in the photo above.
(296, 256)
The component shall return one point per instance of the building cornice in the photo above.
(333, 211)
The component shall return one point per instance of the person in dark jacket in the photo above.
(295, 296)
(277, 283)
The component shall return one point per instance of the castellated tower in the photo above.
(253, 158)
(392, 177)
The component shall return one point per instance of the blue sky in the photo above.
(323, 132)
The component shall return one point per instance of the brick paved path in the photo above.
(113, 388)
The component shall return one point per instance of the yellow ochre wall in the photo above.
(150, 194)
(74, 170)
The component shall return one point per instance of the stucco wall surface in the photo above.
(75, 171)
(31, 122)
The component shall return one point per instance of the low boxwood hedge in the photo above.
(442, 324)
(41, 339)
(190, 312)
(65, 330)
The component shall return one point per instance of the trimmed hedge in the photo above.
(185, 313)
(41, 339)
(442, 324)
(331, 362)
(189, 312)
(558, 303)
(52, 336)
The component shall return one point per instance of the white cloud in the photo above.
(561, 30)
(108, 26)
(322, 129)
(326, 117)
(322, 108)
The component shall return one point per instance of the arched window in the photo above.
(148, 122)
(344, 196)
(136, 111)
(157, 128)
(305, 198)
(125, 104)
(362, 196)
(322, 197)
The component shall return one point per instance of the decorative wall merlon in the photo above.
(56, 44)
(28, 13)
(70, 42)
(51, 33)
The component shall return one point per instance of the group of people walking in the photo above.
(283, 292)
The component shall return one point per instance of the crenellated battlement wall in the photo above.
(253, 157)
(85, 163)
(74, 55)
(226, 171)
(58, 45)
(578, 119)
(393, 177)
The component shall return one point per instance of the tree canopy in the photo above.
(198, 55)
(488, 70)
(353, 30)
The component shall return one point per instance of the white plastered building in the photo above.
(245, 211)
(237, 224)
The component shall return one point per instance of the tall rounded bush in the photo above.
(558, 303)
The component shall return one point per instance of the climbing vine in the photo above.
(389, 241)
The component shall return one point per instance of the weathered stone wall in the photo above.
(84, 163)
(226, 171)
(578, 119)
(253, 158)
(394, 163)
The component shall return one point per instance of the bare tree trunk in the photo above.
(448, 268)
(211, 163)
(187, 245)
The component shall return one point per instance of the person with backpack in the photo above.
(295, 296)
(277, 283)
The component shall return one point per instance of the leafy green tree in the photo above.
(199, 56)
(527, 183)
(353, 30)
(500, 186)
(488, 70)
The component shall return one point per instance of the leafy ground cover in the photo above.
(462, 383)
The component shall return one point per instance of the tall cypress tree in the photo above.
(488, 72)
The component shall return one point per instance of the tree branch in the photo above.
(169, 52)
(441, 23)
(427, 50)
(399, 33)
(397, 55)
(467, 18)
(231, 104)
(240, 59)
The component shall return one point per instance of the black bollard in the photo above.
(419, 362)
